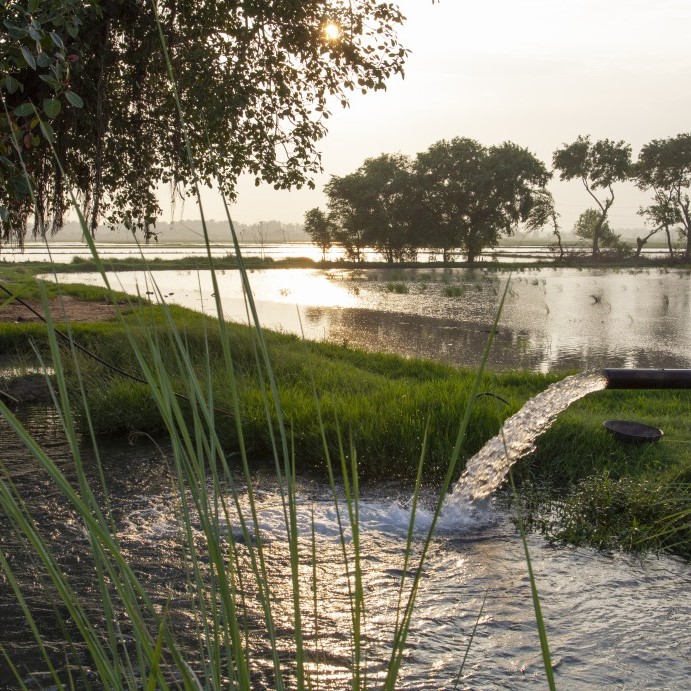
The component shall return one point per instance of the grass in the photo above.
(233, 399)
(186, 368)
(384, 401)
(398, 288)
(592, 489)
(451, 291)
(212, 389)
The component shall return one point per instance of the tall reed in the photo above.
(227, 570)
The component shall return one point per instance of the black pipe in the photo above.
(648, 378)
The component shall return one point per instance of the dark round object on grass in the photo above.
(635, 432)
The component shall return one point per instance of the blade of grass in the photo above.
(539, 619)
(401, 631)
(470, 642)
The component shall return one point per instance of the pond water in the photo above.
(66, 251)
(613, 620)
(553, 319)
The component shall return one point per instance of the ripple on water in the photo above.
(612, 620)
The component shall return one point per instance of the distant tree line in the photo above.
(459, 196)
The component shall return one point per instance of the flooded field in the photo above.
(553, 319)
(66, 251)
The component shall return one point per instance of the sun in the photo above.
(332, 31)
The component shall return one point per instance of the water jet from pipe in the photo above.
(488, 468)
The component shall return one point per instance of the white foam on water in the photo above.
(375, 516)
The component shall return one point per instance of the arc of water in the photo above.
(488, 468)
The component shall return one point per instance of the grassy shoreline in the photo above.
(590, 488)
(78, 265)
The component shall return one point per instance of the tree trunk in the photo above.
(686, 219)
(559, 243)
(669, 242)
(596, 236)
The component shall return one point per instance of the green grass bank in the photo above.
(580, 485)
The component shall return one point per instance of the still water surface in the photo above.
(553, 319)
(613, 620)
(66, 251)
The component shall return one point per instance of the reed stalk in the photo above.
(223, 578)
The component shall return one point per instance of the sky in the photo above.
(535, 72)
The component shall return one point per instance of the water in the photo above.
(613, 620)
(487, 469)
(553, 319)
(66, 251)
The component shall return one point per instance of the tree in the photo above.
(320, 228)
(664, 165)
(598, 166)
(662, 215)
(372, 207)
(254, 79)
(545, 212)
(589, 222)
(470, 195)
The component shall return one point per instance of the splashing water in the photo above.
(488, 468)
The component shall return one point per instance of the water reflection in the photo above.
(554, 319)
(66, 251)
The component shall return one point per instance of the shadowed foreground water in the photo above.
(614, 621)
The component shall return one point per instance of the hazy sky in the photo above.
(536, 72)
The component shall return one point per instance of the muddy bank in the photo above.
(64, 308)
(24, 390)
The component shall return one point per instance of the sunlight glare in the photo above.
(332, 31)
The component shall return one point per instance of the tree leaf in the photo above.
(57, 40)
(24, 109)
(47, 132)
(74, 99)
(36, 34)
(21, 186)
(11, 84)
(43, 59)
(51, 107)
(52, 81)
(28, 57)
